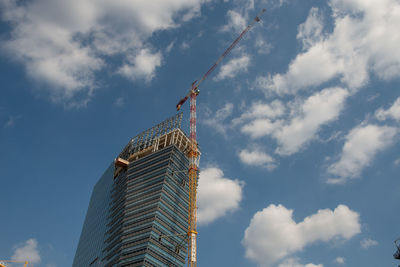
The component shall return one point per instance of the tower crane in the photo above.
(2, 263)
(194, 154)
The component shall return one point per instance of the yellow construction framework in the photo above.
(193, 180)
(194, 153)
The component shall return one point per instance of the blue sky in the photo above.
(298, 127)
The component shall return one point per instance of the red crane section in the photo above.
(194, 154)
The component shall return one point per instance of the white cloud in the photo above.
(63, 43)
(273, 234)
(263, 47)
(142, 65)
(340, 260)
(272, 4)
(310, 32)
(224, 112)
(27, 252)
(368, 242)
(392, 112)
(257, 158)
(261, 127)
(364, 40)
(295, 263)
(304, 123)
(169, 47)
(319, 109)
(233, 67)
(217, 195)
(361, 146)
(216, 119)
(259, 110)
(302, 72)
(236, 22)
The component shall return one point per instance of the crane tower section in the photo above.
(194, 154)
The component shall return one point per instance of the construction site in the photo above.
(146, 193)
(143, 210)
(199, 133)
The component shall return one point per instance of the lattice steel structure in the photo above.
(194, 153)
(146, 138)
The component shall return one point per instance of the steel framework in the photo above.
(194, 153)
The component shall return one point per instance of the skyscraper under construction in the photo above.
(138, 211)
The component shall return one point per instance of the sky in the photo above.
(298, 127)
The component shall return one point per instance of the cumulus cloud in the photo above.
(27, 251)
(273, 234)
(319, 109)
(364, 40)
(368, 242)
(295, 263)
(216, 119)
(236, 22)
(169, 47)
(142, 65)
(217, 195)
(362, 144)
(272, 4)
(310, 32)
(261, 119)
(259, 110)
(302, 72)
(392, 112)
(257, 158)
(63, 43)
(263, 47)
(233, 67)
(261, 127)
(340, 260)
(306, 119)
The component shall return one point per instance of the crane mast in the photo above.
(194, 154)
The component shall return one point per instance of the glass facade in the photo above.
(91, 242)
(148, 212)
(138, 213)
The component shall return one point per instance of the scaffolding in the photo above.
(147, 138)
(164, 134)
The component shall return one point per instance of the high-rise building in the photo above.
(138, 210)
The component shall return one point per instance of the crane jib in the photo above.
(226, 52)
(194, 155)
